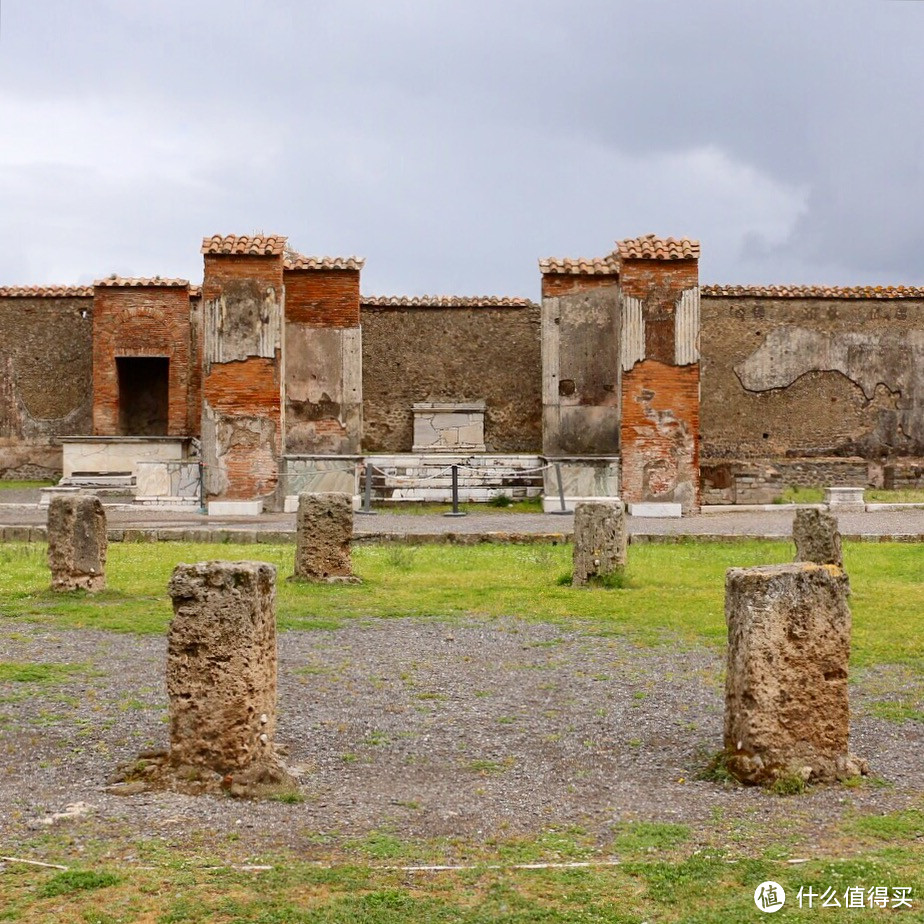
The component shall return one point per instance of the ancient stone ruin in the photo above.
(77, 543)
(221, 684)
(817, 538)
(324, 528)
(786, 711)
(599, 541)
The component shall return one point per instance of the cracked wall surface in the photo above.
(812, 377)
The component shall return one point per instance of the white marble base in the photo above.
(235, 508)
(845, 500)
(553, 504)
(656, 511)
(56, 491)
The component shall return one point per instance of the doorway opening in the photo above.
(143, 395)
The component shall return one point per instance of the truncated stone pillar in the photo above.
(817, 538)
(599, 541)
(243, 375)
(77, 543)
(324, 529)
(221, 670)
(786, 711)
(659, 358)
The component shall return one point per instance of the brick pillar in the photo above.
(659, 432)
(242, 366)
(324, 372)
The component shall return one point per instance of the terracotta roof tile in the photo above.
(583, 266)
(153, 282)
(258, 245)
(195, 291)
(445, 301)
(301, 262)
(855, 292)
(46, 291)
(651, 247)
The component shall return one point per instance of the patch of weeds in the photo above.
(485, 767)
(400, 557)
(671, 883)
(715, 770)
(896, 711)
(614, 580)
(349, 758)
(564, 580)
(76, 880)
(788, 783)
(641, 836)
(904, 825)
(380, 846)
(501, 500)
(288, 797)
(24, 672)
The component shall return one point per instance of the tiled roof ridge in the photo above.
(123, 282)
(584, 266)
(652, 247)
(269, 245)
(302, 262)
(446, 301)
(811, 291)
(46, 291)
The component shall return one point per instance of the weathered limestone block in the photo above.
(816, 537)
(77, 543)
(786, 711)
(323, 530)
(221, 672)
(599, 541)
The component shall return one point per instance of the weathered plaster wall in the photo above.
(142, 321)
(242, 375)
(323, 350)
(412, 354)
(45, 379)
(790, 377)
(580, 362)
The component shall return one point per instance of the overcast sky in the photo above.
(452, 144)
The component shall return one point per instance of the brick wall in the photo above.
(141, 321)
(46, 380)
(322, 298)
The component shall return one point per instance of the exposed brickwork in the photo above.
(660, 424)
(241, 384)
(135, 321)
(322, 297)
(660, 400)
(557, 284)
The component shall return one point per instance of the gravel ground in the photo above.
(470, 730)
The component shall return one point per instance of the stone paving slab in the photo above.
(26, 522)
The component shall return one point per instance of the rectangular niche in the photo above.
(444, 426)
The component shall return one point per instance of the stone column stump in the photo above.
(817, 538)
(77, 543)
(323, 531)
(221, 675)
(599, 541)
(786, 712)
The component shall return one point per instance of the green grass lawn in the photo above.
(674, 595)
(23, 485)
(674, 592)
(794, 494)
